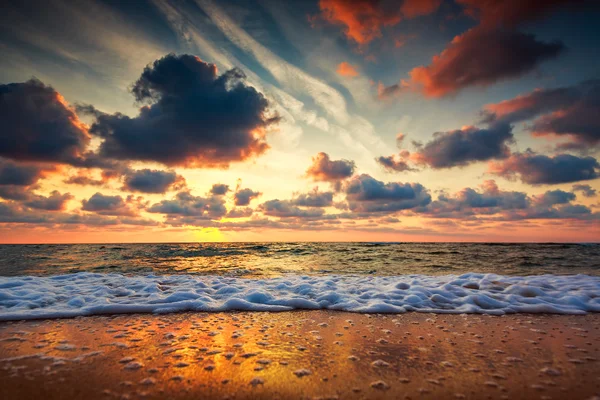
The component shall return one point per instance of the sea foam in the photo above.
(80, 294)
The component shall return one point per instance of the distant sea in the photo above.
(57, 281)
(257, 260)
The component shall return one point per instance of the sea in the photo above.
(71, 280)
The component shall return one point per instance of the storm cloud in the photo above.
(194, 117)
(38, 125)
(18, 174)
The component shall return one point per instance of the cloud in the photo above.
(38, 125)
(347, 70)
(394, 163)
(85, 178)
(464, 146)
(538, 169)
(18, 180)
(364, 19)
(240, 212)
(326, 170)
(219, 189)
(109, 205)
(510, 13)
(195, 117)
(314, 199)
(19, 175)
(286, 209)
(488, 199)
(54, 202)
(187, 205)
(392, 91)
(553, 197)
(569, 111)
(366, 194)
(152, 181)
(15, 213)
(243, 197)
(481, 57)
(15, 192)
(489, 203)
(587, 190)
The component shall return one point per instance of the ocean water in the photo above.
(56, 281)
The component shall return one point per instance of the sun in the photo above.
(208, 235)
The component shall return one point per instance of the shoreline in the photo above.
(302, 355)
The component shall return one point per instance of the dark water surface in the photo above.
(274, 259)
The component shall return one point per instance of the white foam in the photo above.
(84, 293)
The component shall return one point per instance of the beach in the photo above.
(302, 355)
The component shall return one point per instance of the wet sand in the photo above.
(303, 354)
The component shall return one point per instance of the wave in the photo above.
(84, 293)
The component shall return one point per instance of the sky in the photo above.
(307, 120)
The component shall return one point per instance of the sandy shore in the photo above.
(297, 355)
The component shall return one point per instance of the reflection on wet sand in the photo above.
(304, 354)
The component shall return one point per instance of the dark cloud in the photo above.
(510, 13)
(38, 125)
(366, 194)
(240, 212)
(14, 213)
(219, 189)
(566, 111)
(537, 169)
(586, 190)
(489, 203)
(109, 205)
(187, 205)
(17, 180)
(554, 197)
(464, 146)
(481, 57)
(18, 174)
(194, 117)
(314, 199)
(14, 192)
(152, 181)
(326, 170)
(54, 202)
(364, 19)
(394, 164)
(286, 209)
(242, 197)
(488, 199)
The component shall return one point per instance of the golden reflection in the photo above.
(300, 355)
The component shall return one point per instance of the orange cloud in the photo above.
(364, 19)
(345, 69)
(478, 57)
